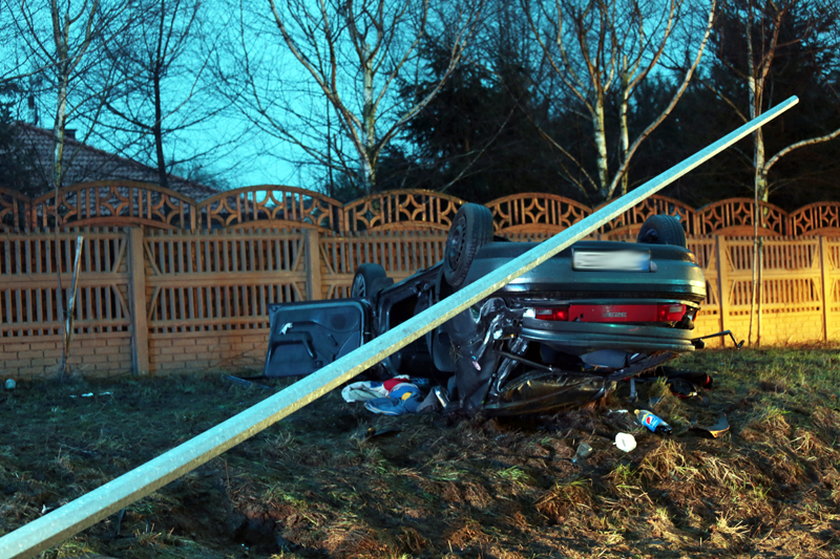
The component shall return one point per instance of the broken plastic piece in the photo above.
(682, 388)
(584, 450)
(625, 442)
(717, 430)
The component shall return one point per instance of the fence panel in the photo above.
(541, 214)
(830, 258)
(736, 216)
(790, 307)
(821, 218)
(14, 210)
(401, 254)
(208, 293)
(631, 221)
(264, 206)
(401, 210)
(30, 316)
(113, 203)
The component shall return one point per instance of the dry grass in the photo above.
(312, 487)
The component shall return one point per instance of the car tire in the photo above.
(368, 281)
(662, 229)
(471, 229)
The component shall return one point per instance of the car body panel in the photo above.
(303, 337)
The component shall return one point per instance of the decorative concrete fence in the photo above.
(169, 284)
(122, 203)
(165, 300)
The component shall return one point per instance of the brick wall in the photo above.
(231, 351)
(91, 355)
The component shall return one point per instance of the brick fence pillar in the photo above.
(313, 265)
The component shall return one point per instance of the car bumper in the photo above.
(583, 337)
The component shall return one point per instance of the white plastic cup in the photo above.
(625, 442)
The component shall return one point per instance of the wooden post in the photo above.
(313, 264)
(722, 280)
(827, 291)
(137, 302)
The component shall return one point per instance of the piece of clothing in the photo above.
(404, 398)
(395, 396)
(365, 390)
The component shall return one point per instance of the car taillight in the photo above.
(669, 313)
(665, 312)
(556, 314)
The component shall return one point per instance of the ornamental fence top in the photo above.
(112, 203)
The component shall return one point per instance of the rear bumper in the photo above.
(583, 337)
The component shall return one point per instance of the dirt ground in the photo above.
(334, 480)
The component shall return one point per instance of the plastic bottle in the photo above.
(653, 422)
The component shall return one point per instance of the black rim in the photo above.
(359, 288)
(455, 243)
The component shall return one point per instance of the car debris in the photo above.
(584, 450)
(714, 431)
(625, 442)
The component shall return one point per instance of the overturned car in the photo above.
(559, 335)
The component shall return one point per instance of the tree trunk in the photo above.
(157, 125)
(762, 193)
(369, 124)
(599, 122)
(624, 129)
(157, 132)
(59, 133)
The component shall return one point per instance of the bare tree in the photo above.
(355, 54)
(162, 66)
(61, 39)
(750, 57)
(602, 52)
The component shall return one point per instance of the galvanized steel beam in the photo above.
(98, 504)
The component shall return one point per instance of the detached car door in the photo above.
(303, 337)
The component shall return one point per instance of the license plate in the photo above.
(614, 260)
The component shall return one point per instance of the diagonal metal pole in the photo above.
(98, 504)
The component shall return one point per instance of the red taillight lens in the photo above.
(557, 314)
(670, 313)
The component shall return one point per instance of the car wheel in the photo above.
(471, 229)
(662, 229)
(369, 280)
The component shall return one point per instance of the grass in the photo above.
(316, 485)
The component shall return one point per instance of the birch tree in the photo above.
(355, 54)
(602, 51)
(60, 37)
(754, 39)
(62, 40)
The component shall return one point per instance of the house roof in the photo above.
(85, 163)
